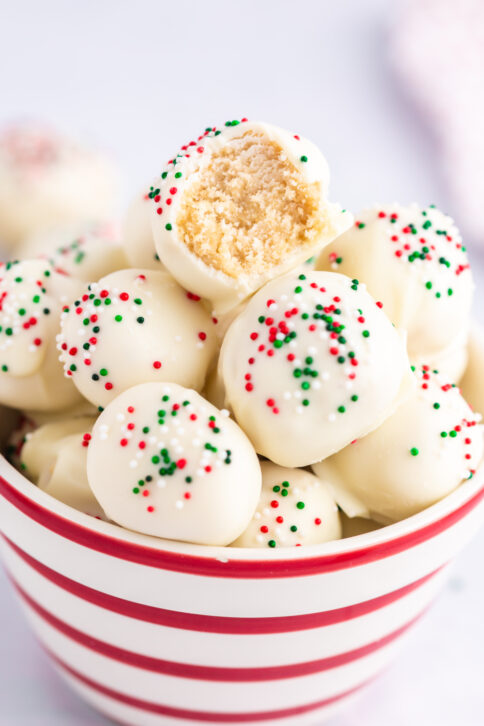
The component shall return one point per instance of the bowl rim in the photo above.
(218, 561)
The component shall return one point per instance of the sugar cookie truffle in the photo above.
(64, 475)
(32, 295)
(137, 235)
(135, 326)
(295, 508)
(412, 260)
(28, 421)
(165, 462)
(47, 241)
(46, 179)
(89, 256)
(451, 361)
(42, 444)
(418, 455)
(309, 365)
(240, 206)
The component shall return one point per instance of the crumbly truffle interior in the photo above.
(249, 208)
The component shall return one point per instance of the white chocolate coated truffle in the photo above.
(64, 475)
(164, 461)
(311, 364)
(43, 444)
(89, 257)
(240, 206)
(451, 362)
(413, 261)
(135, 326)
(48, 241)
(295, 508)
(32, 295)
(418, 455)
(46, 179)
(137, 235)
(29, 421)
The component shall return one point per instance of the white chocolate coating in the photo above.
(422, 277)
(223, 291)
(64, 476)
(165, 462)
(89, 257)
(301, 385)
(43, 444)
(295, 508)
(46, 179)
(418, 455)
(451, 362)
(47, 241)
(29, 421)
(32, 295)
(137, 235)
(135, 326)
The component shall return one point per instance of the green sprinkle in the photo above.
(300, 505)
(414, 451)
(272, 543)
(436, 406)
(168, 226)
(341, 409)
(303, 158)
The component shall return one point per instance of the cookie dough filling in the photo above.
(241, 205)
(250, 208)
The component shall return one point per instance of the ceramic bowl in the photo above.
(158, 633)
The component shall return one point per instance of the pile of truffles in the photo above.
(240, 362)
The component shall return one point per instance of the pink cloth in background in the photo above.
(437, 49)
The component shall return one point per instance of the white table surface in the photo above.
(140, 78)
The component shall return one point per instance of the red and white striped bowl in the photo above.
(153, 632)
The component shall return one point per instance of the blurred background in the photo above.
(392, 92)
